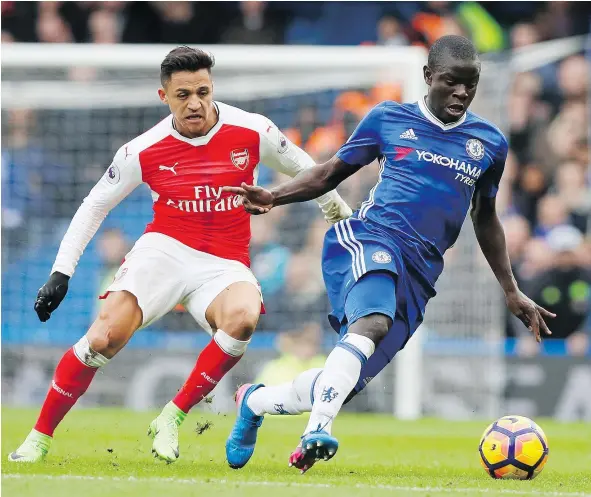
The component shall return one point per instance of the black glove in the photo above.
(50, 295)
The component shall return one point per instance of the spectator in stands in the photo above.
(575, 194)
(299, 351)
(103, 26)
(51, 26)
(390, 32)
(523, 34)
(254, 26)
(537, 257)
(565, 288)
(552, 212)
(573, 78)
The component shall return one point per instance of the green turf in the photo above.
(105, 452)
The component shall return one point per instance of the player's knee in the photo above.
(113, 328)
(240, 322)
(106, 336)
(375, 327)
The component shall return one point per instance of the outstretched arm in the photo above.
(491, 239)
(307, 185)
(362, 148)
(313, 182)
(279, 153)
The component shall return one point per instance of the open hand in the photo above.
(531, 314)
(256, 199)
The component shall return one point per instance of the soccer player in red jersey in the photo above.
(194, 252)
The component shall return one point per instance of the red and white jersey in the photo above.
(186, 176)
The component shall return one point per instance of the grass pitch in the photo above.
(98, 453)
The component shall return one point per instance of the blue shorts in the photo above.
(366, 272)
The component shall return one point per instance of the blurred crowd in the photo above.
(545, 195)
(490, 24)
(544, 199)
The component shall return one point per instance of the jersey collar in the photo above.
(429, 115)
(200, 140)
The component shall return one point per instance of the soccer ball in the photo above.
(513, 447)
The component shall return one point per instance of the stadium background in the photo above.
(52, 156)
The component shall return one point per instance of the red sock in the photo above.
(70, 380)
(212, 364)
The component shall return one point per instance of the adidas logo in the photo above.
(409, 134)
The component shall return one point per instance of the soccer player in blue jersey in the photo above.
(380, 266)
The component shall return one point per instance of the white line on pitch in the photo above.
(193, 481)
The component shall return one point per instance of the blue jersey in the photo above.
(428, 173)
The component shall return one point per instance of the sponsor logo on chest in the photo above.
(207, 199)
(465, 172)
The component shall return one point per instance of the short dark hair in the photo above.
(185, 58)
(458, 47)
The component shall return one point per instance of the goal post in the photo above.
(90, 99)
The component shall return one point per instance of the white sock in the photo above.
(88, 356)
(340, 374)
(230, 345)
(293, 397)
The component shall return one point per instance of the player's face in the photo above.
(190, 98)
(452, 88)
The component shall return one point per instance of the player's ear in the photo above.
(428, 75)
(162, 95)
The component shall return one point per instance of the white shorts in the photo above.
(162, 272)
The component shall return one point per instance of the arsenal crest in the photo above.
(240, 158)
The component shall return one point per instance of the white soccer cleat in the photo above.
(165, 432)
(33, 449)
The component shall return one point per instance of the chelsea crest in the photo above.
(475, 149)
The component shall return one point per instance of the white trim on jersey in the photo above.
(429, 115)
(369, 203)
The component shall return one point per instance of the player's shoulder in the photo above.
(486, 129)
(390, 110)
(155, 134)
(239, 117)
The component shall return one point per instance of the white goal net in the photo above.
(67, 108)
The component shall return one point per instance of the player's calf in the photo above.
(118, 320)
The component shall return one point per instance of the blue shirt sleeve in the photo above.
(364, 145)
(488, 185)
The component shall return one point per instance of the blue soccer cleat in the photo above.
(242, 439)
(314, 446)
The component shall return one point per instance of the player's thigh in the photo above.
(118, 319)
(155, 278)
(231, 302)
(370, 306)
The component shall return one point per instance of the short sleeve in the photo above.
(488, 185)
(365, 144)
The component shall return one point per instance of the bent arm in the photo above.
(120, 179)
